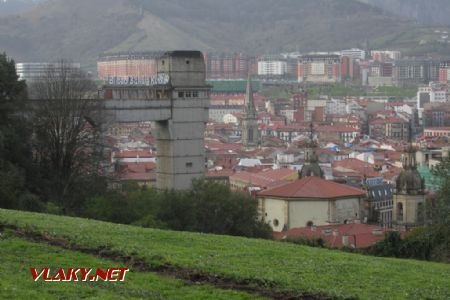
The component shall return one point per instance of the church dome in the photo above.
(309, 170)
(409, 181)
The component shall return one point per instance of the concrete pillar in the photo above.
(181, 146)
(181, 154)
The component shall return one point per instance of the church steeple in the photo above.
(311, 166)
(409, 181)
(250, 109)
(250, 120)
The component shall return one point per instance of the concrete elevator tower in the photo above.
(180, 140)
(176, 98)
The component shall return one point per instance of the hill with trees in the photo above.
(81, 30)
(434, 12)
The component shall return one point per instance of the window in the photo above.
(276, 223)
(180, 94)
(189, 165)
(420, 213)
(250, 135)
(400, 212)
(194, 94)
(188, 94)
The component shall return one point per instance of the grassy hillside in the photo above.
(424, 11)
(18, 255)
(417, 41)
(83, 29)
(270, 265)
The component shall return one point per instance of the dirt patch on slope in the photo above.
(191, 276)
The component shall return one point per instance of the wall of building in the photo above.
(274, 210)
(410, 205)
(302, 212)
(345, 210)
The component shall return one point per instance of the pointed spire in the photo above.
(250, 104)
(409, 160)
(311, 165)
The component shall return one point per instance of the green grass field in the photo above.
(289, 267)
(18, 255)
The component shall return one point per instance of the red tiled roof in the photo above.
(315, 188)
(437, 129)
(364, 235)
(138, 167)
(137, 171)
(219, 173)
(352, 163)
(329, 128)
(387, 120)
(353, 167)
(133, 154)
(263, 178)
(214, 146)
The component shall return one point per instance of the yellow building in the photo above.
(310, 201)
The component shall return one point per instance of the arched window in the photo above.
(250, 135)
(399, 211)
(420, 213)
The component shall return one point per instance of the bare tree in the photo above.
(67, 131)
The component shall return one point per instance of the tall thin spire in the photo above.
(250, 109)
(311, 165)
(409, 159)
(250, 134)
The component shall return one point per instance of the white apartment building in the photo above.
(33, 71)
(272, 68)
(383, 55)
(354, 53)
(430, 94)
(337, 107)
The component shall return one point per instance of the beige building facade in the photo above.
(284, 214)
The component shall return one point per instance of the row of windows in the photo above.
(188, 94)
(383, 204)
(380, 193)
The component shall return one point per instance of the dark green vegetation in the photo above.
(16, 282)
(83, 29)
(417, 40)
(48, 161)
(16, 169)
(270, 264)
(340, 90)
(431, 242)
(233, 86)
(209, 207)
